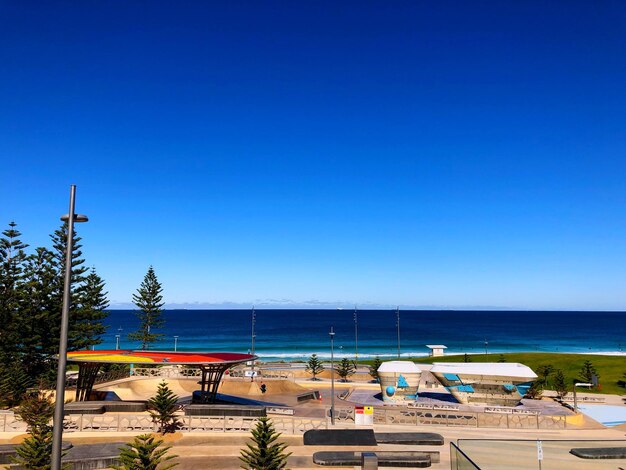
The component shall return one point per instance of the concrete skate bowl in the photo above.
(301, 373)
(142, 388)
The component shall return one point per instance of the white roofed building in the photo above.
(399, 380)
(436, 350)
(496, 383)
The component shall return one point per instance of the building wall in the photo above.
(492, 390)
(399, 386)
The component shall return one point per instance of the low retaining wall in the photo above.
(297, 425)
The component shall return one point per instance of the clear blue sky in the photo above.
(417, 153)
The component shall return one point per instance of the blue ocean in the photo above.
(296, 334)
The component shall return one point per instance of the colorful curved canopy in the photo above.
(158, 357)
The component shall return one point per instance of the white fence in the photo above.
(173, 372)
(130, 422)
(298, 425)
(454, 418)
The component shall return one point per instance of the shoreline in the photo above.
(303, 357)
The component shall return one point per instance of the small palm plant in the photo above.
(144, 453)
(163, 407)
(264, 453)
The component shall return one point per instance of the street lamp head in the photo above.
(77, 218)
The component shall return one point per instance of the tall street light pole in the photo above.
(398, 326)
(57, 432)
(117, 342)
(356, 337)
(175, 343)
(332, 375)
(253, 337)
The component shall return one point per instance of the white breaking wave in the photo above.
(339, 355)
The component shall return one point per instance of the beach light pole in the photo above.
(486, 346)
(117, 342)
(57, 431)
(253, 337)
(356, 336)
(398, 327)
(175, 343)
(332, 375)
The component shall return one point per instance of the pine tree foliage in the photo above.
(36, 411)
(12, 257)
(163, 407)
(374, 368)
(544, 372)
(31, 297)
(587, 372)
(59, 250)
(90, 314)
(346, 369)
(314, 366)
(145, 453)
(42, 312)
(559, 383)
(35, 452)
(535, 390)
(14, 381)
(88, 296)
(265, 452)
(149, 301)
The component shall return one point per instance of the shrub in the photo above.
(587, 372)
(374, 368)
(265, 452)
(560, 384)
(144, 453)
(163, 407)
(535, 391)
(35, 452)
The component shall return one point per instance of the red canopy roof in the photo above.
(158, 357)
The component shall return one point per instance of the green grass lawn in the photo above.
(610, 369)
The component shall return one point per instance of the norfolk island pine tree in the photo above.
(144, 453)
(314, 366)
(149, 301)
(163, 407)
(264, 453)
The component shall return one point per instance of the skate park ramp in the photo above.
(142, 388)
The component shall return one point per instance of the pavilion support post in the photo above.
(87, 373)
(211, 378)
